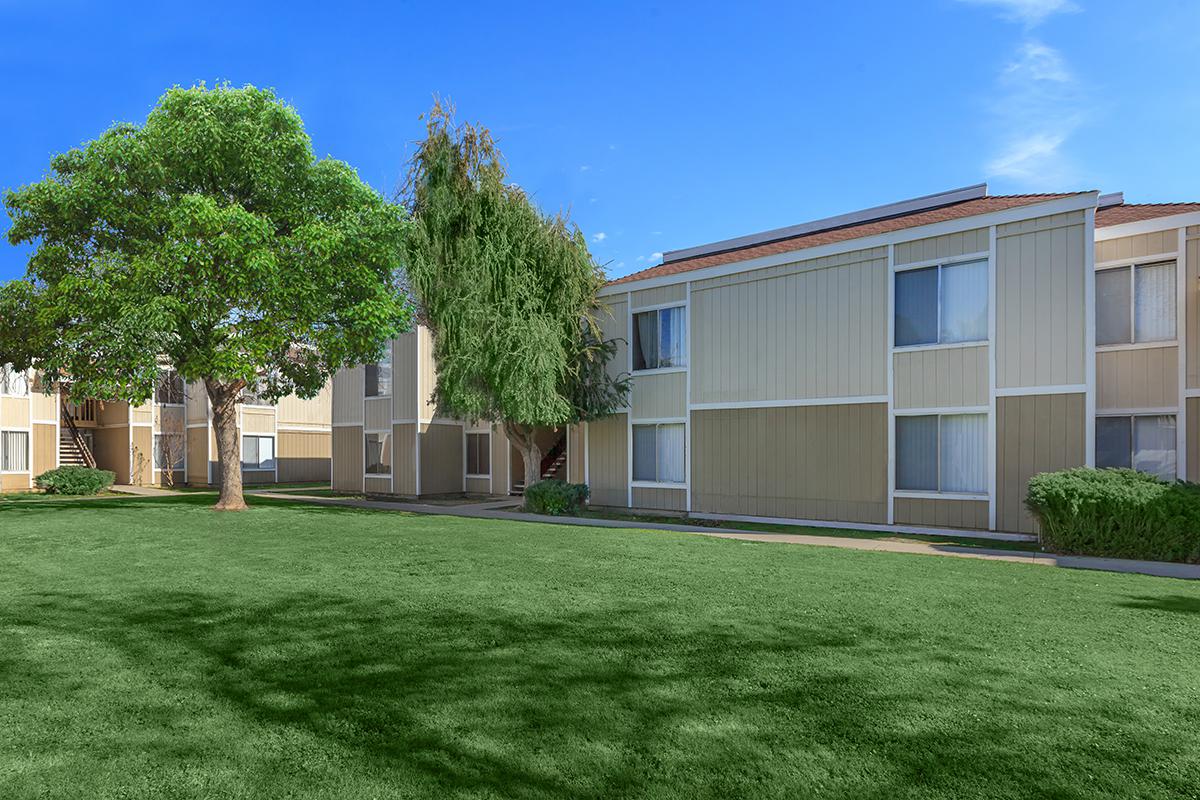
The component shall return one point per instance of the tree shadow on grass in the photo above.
(570, 703)
(1178, 604)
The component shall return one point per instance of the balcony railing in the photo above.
(83, 414)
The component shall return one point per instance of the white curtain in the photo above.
(14, 451)
(266, 453)
(964, 453)
(964, 302)
(671, 458)
(1154, 445)
(1154, 303)
(671, 325)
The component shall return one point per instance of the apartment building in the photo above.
(168, 439)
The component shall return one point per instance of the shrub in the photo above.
(75, 480)
(555, 497)
(1117, 513)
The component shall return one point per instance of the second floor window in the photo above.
(942, 304)
(379, 377)
(13, 382)
(659, 338)
(1136, 304)
(170, 388)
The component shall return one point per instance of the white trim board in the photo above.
(1152, 225)
(813, 401)
(1031, 391)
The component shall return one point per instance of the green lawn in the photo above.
(150, 648)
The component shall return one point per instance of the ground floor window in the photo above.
(378, 452)
(1145, 442)
(258, 453)
(14, 451)
(659, 453)
(479, 465)
(942, 453)
(168, 450)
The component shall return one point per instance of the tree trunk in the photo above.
(224, 399)
(523, 438)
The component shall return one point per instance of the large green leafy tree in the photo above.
(210, 237)
(510, 294)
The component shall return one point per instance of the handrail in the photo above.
(557, 450)
(77, 437)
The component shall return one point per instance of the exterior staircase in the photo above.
(71, 452)
(554, 465)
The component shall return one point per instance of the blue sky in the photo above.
(658, 125)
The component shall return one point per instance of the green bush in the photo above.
(1117, 513)
(555, 497)
(75, 480)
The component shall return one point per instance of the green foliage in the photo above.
(510, 294)
(211, 236)
(555, 497)
(75, 480)
(1118, 513)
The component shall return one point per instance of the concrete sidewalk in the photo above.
(491, 510)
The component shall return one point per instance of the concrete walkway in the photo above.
(492, 510)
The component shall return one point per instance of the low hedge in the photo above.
(555, 497)
(1118, 513)
(75, 480)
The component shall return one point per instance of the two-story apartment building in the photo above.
(908, 365)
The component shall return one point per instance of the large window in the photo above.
(378, 452)
(258, 453)
(942, 453)
(14, 451)
(13, 382)
(941, 305)
(659, 453)
(479, 465)
(170, 388)
(1136, 304)
(658, 338)
(1142, 442)
(379, 377)
(168, 449)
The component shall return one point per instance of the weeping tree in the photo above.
(510, 294)
(210, 237)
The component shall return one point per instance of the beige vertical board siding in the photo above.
(1142, 246)
(1192, 319)
(658, 499)
(1040, 274)
(348, 396)
(608, 461)
(575, 453)
(404, 377)
(675, 293)
(258, 420)
(197, 456)
(807, 462)
(43, 445)
(348, 459)
(142, 413)
(478, 485)
(941, 378)
(1034, 433)
(377, 485)
(1193, 439)
(425, 406)
(404, 465)
(112, 412)
(501, 480)
(44, 407)
(660, 396)
(941, 513)
(315, 412)
(195, 400)
(15, 412)
(940, 247)
(441, 459)
(1139, 378)
(15, 482)
(614, 324)
(112, 451)
(303, 456)
(141, 455)
(800, 333)
(379, 414)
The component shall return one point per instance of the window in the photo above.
(658, 338)
(659, 453)
(379, 377)
(168, 449)
(478, 462)
(258, 453)
(378, 453)
(1142, 442)
(1136, 304)
(14, 451)
(13, 382)
(170, 388)
(942, 453)
(941, 305)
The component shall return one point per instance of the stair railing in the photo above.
(77, 437)
(557, 450)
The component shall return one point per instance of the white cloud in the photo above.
(654, 256)
(1028, 12)
(599, 237)
(585, 168)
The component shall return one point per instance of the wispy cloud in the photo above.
(1029, 12)
(655, 256)
(599, 237)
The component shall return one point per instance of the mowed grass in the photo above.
(150, 648)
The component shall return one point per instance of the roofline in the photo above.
(1081, 201)
(1150, 225)
(899, 208)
